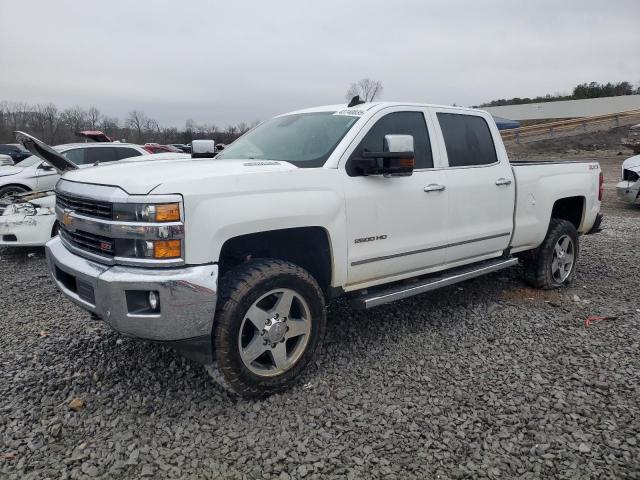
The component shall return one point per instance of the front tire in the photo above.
(269, 324)
(553, 263)
(11, 190)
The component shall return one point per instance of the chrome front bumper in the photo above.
(628, 191)
(187, 295)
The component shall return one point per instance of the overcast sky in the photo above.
(223, 62)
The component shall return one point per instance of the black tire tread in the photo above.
(537, 270)
(234, 285)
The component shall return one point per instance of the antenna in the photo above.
(355, 101)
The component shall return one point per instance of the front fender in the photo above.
(309, 200)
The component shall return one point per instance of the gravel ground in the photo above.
(489, 379)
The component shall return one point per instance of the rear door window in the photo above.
(126, 152)
(468, 140)
(100, 155)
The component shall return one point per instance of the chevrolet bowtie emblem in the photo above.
(67, 219)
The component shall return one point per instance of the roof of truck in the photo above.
(364, 107)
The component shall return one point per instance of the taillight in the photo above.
(601, 187)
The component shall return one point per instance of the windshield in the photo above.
(32, 160)
(304, 139)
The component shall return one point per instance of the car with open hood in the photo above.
(33, 174)
(28, 219)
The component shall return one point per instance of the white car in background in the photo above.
(629, 188)
(32, 174)
(29, 220)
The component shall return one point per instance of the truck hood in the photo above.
(9, 170)
(139, 178)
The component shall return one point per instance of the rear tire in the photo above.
(553, 263)
(269, 324)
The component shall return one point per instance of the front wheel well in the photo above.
(570, 209)
(27, 189)
(307, 247)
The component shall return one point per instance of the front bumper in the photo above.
(187, 298)
(628, 192)
(26, 230)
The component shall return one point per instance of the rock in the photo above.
(584, 448)
(76, 404)
(89, 469)
(147, 471)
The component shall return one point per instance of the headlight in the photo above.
(20, 209)
(140, 212)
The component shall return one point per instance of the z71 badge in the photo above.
(370, 239)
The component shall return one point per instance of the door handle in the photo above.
(503, 181)
(434, 187)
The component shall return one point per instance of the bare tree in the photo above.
(136, 121)
(93, 118)
(74, 119)
(53, 126)
(368, 90)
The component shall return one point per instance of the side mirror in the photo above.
(396, 160)
(203, 148)
(45, 167)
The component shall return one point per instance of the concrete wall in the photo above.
(567, 109)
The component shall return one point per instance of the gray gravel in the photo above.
(488, 379)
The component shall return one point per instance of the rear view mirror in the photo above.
(44, 166)
(396, 160)
(203, 148)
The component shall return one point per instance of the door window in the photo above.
(100, 155)
(468, 140)
(76, 156)
(398, 123)
(126, 152)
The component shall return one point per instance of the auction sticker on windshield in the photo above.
(350, 112)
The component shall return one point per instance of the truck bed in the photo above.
(540, 185)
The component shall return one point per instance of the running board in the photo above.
(380, 297)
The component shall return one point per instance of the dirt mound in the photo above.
(589, 142)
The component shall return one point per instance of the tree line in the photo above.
(581, 91)
(55, 126)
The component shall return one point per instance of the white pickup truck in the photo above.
(232, 259)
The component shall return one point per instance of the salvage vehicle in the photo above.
(33, 174)
(16, 151)
(29, 220)
(629, 187)
(232, 260)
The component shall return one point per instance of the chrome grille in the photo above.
(84, 206)
(89, 241)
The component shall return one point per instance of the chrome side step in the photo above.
(380, 297)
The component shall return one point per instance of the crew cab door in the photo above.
(395, 225)
(480, 184)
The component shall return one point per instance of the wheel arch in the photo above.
(308, 247)
(571, 209)
(16, 184)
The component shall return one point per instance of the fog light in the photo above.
(154, 301)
